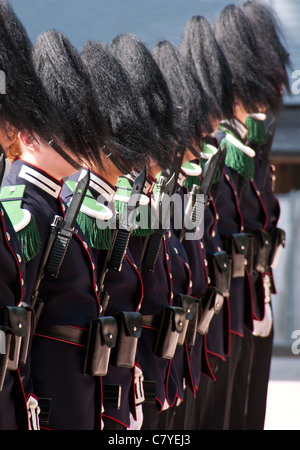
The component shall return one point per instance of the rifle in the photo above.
(113, 258)
(209, 172)
(194, 213)
(61, 231)
(2, 164)
(166, 188)
(66, 231)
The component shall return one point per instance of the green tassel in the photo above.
(100, 239)
(29, 239)
(238, 161)
(190, 181)
(256, 131)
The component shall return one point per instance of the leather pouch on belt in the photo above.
(16, 325)
(129, 331)
(189, 305)
(262, 251)
(171, 326)
(237, 247)
(101, 339)
(19, 321)
(220, 265)
(211, 305)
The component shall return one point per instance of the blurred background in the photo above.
(155, 20)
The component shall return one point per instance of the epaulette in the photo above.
(121, 199)
(22, 220)
(92, 220)
(257, 133)
(239, 157)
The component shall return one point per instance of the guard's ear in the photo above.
(28, 140)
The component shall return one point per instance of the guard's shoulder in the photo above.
(21, 219)
(92, 220)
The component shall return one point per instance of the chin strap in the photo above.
(64, 155)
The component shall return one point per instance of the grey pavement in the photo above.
(283, 401)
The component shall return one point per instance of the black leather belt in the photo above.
(65, 333)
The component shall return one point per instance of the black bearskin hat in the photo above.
(133, 137)
(24, 105)
(154, 94)
(267, 28)
(69, 87)
(190, 104)
(237, 39)
(208, 64)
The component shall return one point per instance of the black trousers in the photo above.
(110, 424)
(249, 395)
(262, 348)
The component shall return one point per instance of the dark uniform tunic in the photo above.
(186, 414)
(261, 346)
(254, 218)
(55, 369)
(12, 273)
(125, 292)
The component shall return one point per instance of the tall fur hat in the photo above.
(66, 81)
(209, 65)
(152, 88)
(24, 103)
(133, 135)
(270, 39)
(237, 40)
(190, 103)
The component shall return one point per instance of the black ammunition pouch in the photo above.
(212, 303)
(16, 324)
(220, 270)
(237, 248)
(278, 243)
(102, 338)
(171, 325)
(129, 330)
(190, 307)
(262, 250)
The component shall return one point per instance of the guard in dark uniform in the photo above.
(156, 277)
(241, 160)
(66, 298)
(191, 123)
(133, 136)
(260, 136)
(209, 66)
(19, 109)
